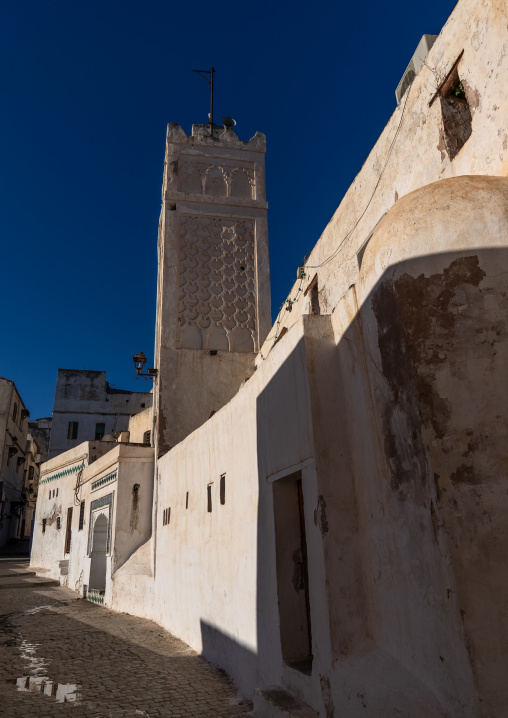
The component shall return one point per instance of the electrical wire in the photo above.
(348, 235)
(303, 266)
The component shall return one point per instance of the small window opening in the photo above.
(147, 437)
(68, 531)
(81, 515)
(72, 431)
(209, 497)
(58, 522)
(313, 290)
(187, 500)
(100, 430)
(166, 516)
(14, 412)
(222, 490)
(213, 352)
(44, 526)
(282, 332)
(456, 113)
(143, 405)
(57, 492)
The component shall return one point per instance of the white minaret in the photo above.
(213, 293)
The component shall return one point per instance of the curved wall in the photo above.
(434, 305)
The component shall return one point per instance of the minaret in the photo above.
(213, 289)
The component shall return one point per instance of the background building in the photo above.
(13, 461)
(87, 408)
(40, 431)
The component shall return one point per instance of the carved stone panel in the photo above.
(224, 180)
(216, 304)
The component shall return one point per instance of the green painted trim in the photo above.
(105, 480)
(62, 474)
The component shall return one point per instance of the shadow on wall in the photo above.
(223, 651)
(388, 533)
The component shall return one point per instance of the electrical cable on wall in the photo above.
(287, 303)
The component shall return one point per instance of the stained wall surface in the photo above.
(95, 479)
(86, 398)
(13, 460)
(411, 151)
(378, 409)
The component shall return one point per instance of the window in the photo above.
(143, 405)
(313, 290)
(58, 522)
(147, 437)
(14, 412)
(31, 470)
(57, 492)
(81, 515)
(166, 516)
(43, 526)
(209, 498)
(68, 531)
(223, 489)
(72, 432)
(456, 113)
(100, 430)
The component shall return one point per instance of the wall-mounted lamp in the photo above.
(139, 364)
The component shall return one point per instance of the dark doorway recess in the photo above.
(292, 572)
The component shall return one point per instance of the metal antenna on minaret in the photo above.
(210, 82)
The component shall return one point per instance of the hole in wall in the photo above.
(209, 498)
(455, 112)
(222, 490)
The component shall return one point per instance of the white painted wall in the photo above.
(416, 159)
(85, 397)
(130, 516)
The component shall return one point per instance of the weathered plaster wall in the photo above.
(207, 566)
(13, 433)
(139, 424)
(114, 474)
(437, 342)
(86, 397)
(409, 153)
(382, 602)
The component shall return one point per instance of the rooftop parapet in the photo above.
(223, 135)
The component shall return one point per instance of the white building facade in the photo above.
(87, 408)
(330, 498)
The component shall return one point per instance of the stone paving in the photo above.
(91, 661)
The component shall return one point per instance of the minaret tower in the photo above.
(213, 289)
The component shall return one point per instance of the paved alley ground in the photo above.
(90, 661)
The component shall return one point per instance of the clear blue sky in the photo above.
(87, 90)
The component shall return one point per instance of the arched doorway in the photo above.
(98, 557)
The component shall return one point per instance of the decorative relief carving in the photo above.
(216, 303)
(217, 180)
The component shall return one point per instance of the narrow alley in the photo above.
(64, 656)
